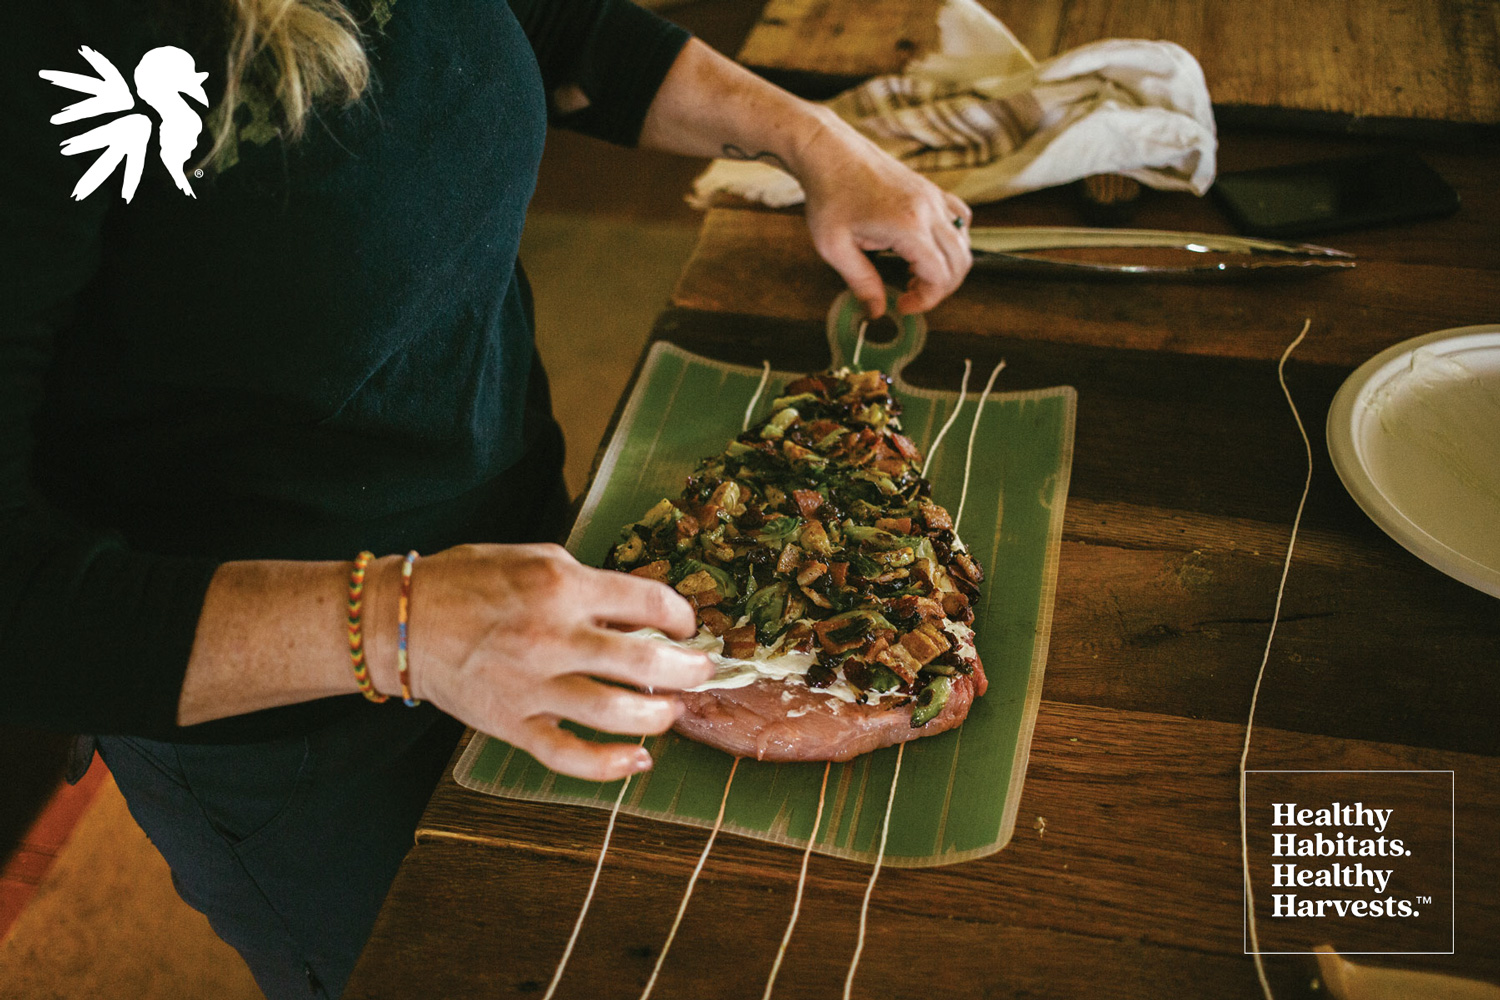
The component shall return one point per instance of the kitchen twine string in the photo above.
(677, 921)
(864, 908)
(859, 344)
(801, 884)
(885, 826)
(1286, 566)
(765, 375)
(963, 390)
(963, 496)
(609, 830)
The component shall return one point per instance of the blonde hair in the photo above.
(293, 53)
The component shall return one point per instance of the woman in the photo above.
(316, 342)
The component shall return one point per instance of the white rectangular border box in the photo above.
(1452, 860)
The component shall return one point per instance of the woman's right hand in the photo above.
(513, 639)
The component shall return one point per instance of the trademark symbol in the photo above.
(1424, 900)
(197, 173)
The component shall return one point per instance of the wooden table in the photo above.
(1123, 878)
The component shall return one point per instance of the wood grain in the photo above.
(505, 940)
(1347, 59)
(764, 264)
(1140, 819)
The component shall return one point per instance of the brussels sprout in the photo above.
(931, 701)
(764, 609)
(780, 530)
(630, 550)
(661, 514)
(777, 425)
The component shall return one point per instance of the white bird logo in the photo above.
(163, 77)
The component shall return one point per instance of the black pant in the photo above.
(288, 847)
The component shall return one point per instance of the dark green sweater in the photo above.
(325, 349)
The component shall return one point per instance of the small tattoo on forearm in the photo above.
(766, 156)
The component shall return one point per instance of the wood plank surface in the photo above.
(1348, 60)
(503, 941)
(764, 264)
(1134, 867)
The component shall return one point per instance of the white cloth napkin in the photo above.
(984, 120)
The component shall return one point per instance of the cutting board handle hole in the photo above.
(882, 331)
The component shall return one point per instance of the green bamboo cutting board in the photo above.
(958, 792)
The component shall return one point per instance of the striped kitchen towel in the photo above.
(984, 120)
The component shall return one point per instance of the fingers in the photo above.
(932, 237)
(566, 753)
(608, 708)
(621, 599)
(844, 255)
(959, 209)
(939, 259)
(641, 661)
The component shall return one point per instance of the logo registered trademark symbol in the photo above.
(197, 173)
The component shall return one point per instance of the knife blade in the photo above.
(1164, 254)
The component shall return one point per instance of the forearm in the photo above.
(709, 105)
(273, 634)
(510, 639)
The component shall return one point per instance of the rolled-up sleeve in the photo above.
(616, 53)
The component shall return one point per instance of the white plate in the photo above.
(1415, 435)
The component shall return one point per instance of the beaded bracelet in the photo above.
(403, 610)
(356, 634)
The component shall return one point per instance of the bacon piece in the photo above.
(808, 501)
(714, 620)
(791, 558)
(905, 446)
(700, 588)
(895, 525)
(657, 570)
(968, 568)
(890, 466)
(799, 639)
(809, 383)
(955, 604)
(839, 573)
(739, 643)
(923, 645)
(902, 663)
(892, 575)
(819, 429)
(914, 604)
(810, 572)
(937, 517)
(825, 630)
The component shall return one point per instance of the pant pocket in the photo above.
(246, 792)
